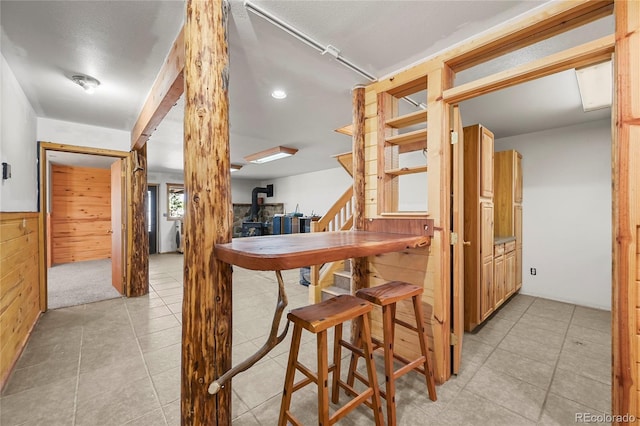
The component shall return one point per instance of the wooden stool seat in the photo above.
(388, 293)
(317, 319)
(386, 296)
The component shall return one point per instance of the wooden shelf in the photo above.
(408, 119)
(406, 170)
(419, 135)
(345, 130)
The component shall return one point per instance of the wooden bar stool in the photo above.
(317, 319)
(386, 296)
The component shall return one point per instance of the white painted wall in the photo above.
(69, 133)
(240, 193)
(567, 212)
(18, 145)
(313, 192)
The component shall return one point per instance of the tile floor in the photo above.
(117, 362)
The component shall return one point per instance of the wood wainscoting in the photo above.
(19, 285)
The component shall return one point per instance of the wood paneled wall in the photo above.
(19, 285)
(80, 214)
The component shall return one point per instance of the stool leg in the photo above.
(323, 378)
(388, 317)
(371, 370)
(337, 361)
(353, 364)
(290, 375)
(422, 338)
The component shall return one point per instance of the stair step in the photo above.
(342, 279)
(347, 265)
(329, 292)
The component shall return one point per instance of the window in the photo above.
(175, 201)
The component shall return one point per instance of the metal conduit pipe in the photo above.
(309, 41)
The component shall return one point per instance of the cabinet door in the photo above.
(498, 280)
(517, 224)
(518, 177)
(486, 231)
(486, 290)
(510, 273)
(486, 163)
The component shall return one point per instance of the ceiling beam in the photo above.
(165, 92)
(587, 54)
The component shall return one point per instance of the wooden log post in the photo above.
(138, 241)
(359, 264)
(206, 311)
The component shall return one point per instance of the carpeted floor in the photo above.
(77, 283)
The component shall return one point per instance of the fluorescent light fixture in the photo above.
(279, 94)
(89, 84)
(270, 154)
(596, 86)
(235, 167)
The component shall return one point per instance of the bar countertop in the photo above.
(291, 251)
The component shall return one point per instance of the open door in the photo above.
(457, 247)
(117, 228)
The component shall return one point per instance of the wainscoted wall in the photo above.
(80, 214)
(19, 285)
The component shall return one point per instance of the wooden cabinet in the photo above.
(508, 204)
(499, 276)
(478, 225)
(510, 272)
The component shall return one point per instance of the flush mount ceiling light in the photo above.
(279, 94)
(235, 167)
(89, 84)
(596, 86)
(270, 154)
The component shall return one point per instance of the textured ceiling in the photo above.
(123, 44)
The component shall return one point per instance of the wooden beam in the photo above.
(206, 308)
(626, 210)
(556, 19)
(165, 92)
(138, 238)
(587, 54)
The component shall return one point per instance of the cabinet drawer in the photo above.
(510, 246)
(498, 250)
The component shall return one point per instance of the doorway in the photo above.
(77, 241)
(152, 217)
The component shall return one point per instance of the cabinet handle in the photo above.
(466, 243)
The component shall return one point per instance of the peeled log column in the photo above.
(358, 265)
(139, 239)
(206, 308)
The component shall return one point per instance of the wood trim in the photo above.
(165, 92)
(18, 215)
(207, 307)
(587, 54)
(548, 22)
(52, 146)
(626, 210)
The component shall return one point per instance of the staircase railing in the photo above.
(338, 218)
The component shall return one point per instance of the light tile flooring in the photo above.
(117, 362)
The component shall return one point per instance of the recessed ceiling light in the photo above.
(279, 94)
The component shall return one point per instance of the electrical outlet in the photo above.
(533, 271)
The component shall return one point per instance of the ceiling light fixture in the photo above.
(596, 86)
(89, 84)
(235, 167)
(270, 154)
(279, 94)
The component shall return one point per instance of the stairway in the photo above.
(341, 282)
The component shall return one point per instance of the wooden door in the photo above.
(457, 282)
(486, 163)
(117, 228)
(486, 290)
(499, 279)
